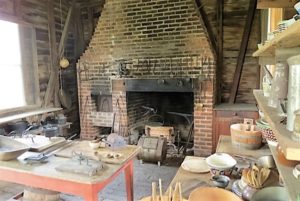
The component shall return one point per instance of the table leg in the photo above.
(129, 180)
(92, 195)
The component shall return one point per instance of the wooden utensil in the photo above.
(153, 197)
(179, 191)
(170, 194)
(160, 190)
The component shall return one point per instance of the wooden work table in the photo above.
(47, 177)
(192, 180)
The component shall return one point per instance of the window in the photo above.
(19, 86)
(11, 75)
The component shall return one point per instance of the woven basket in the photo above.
(267, 132)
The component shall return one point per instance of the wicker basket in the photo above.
(267, 132)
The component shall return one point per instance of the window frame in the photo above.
(30, 79)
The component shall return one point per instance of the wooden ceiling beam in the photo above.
(264, 4)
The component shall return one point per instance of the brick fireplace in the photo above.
(159, 40)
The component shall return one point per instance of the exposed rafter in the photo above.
(206, 25)
(243, 50)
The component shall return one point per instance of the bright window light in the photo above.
(11, 76)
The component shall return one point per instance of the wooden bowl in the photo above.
(165, 198)
(213, 194)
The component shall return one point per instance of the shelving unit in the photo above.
(291, 148)
(286, 173)
(286, 39)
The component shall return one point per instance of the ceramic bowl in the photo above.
(195, 165)
(220, 181)
(267, 161)
(296, 172)
(94, 144)
(212, 194)
(297, 7)
(221, 164)
(267, 132)
(271, 194)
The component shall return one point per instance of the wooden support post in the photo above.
(90, 25)
(79, 46)
(52, 87)
(206, 25)
(17, 8)
(220, 9)
(56, 53)
(65, 31)
(242, 53)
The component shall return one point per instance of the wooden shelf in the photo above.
(291, 183)
(286, 39)
(291, 148)
(28, 114)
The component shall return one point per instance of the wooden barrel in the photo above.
(36, 194)
(246, 136)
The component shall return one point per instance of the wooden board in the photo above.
(285, 39)
(264, 4)
(40, 143)
(291, 148)
(157, 131)
(28, 114)
(96, 154)
(291, 183)
(225, 146)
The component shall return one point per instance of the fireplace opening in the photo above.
(171, 109)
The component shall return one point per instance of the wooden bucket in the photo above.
(246, 135)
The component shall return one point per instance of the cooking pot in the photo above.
(50, 131)
(18, 126)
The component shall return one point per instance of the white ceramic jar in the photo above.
(279, 85)
(293, 90)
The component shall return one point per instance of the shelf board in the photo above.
(286, 172)
(28, 114)
(291, 148)
(286, 39)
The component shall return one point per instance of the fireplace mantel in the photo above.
(156, 85)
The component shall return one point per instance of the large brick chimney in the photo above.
(161, 39)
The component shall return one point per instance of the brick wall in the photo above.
(161, 39)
